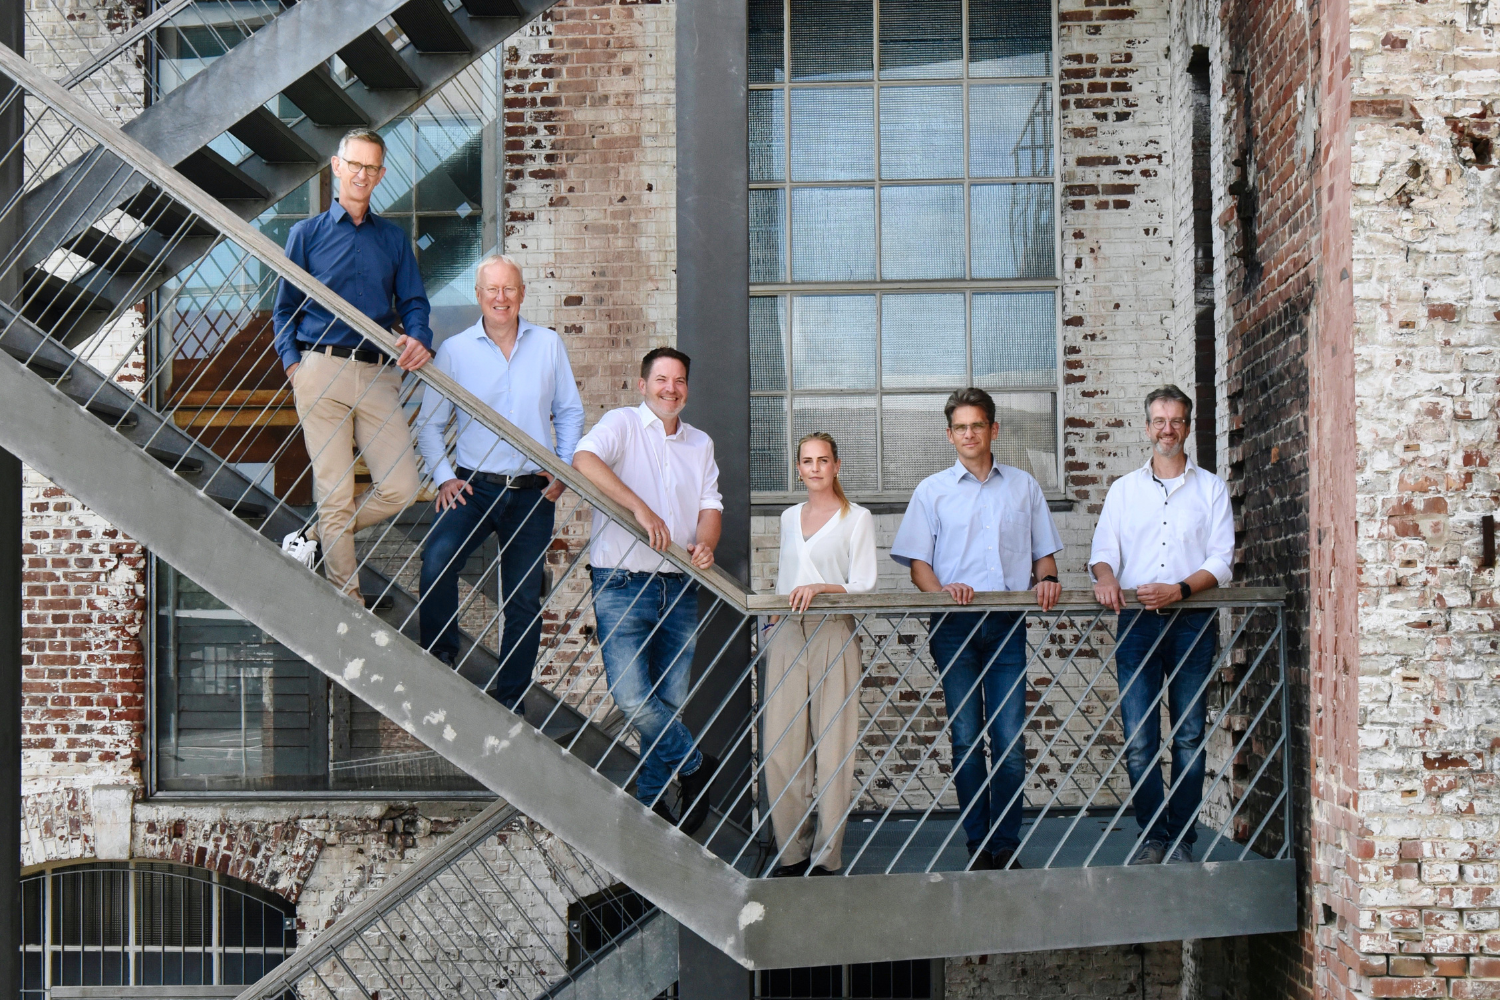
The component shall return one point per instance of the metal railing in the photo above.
(192, 377)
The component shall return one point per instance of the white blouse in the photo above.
(841, 552)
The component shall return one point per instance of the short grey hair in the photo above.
(364, 134)
(1170, 394)
(498, 258)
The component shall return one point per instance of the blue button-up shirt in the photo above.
(371, 266)
(986, 535)
(533, 390)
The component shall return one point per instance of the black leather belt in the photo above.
(357, 353)
(527, 482)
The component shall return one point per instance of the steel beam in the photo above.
(639, 965)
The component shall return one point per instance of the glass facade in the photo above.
(903, 238)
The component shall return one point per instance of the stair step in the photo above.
(46, 370)
(118, 419)
(55, 304)
(245, 510)
(181, 464)
(325, 102)
(431, 28)
(220, 178)
(272, 139)
(108, 252)
(166, 215)
(493, 8)
(377, 64)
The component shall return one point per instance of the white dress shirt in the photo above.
(676, 476)
(1149, 533)
(986, 535)
(841, 552)
(533, 390)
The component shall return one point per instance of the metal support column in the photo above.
(706, 973)
(12, 125)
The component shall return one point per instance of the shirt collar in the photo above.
(477, 331)
(648, 418)
(1150, 472)
(960, 470)
(339, 213)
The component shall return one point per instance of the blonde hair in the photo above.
(833, 446)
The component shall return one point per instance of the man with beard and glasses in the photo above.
(662, 469)
(1167, 532)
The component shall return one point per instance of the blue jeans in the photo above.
(1141, 713)
(981, 657)
(522, 521)
(646, 627)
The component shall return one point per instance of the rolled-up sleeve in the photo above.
(1045, 540)
(863, 574)
(1219, 559)
(710, 498)
(915, 538)
(605, 440)
(567, 406)
(1106, 547)
(432, 421)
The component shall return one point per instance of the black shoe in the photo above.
(450, 660)
(790, 871)
(981, 861)
(1002, 858)
(665, 812)
(381, 603)
(820, 870)
(694, 788)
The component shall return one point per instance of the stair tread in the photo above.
(220, 178)
(325, 102)
(430, 27)
(272, 139)
(377, 64)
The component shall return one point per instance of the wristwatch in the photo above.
(1187, 591)
(1048, 579)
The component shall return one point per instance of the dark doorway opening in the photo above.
(1205, 366)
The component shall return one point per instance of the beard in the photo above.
(1166, 450)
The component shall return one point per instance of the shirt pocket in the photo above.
(1015, 539)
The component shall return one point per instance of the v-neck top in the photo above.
(841, 552)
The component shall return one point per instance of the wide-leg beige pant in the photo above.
(344, 403)
(805, 705)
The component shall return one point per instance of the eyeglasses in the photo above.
(490, 291)
(1160, 423)
(355, 167)
(978, 428)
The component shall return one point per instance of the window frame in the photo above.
(788, 289)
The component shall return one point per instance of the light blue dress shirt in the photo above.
(533, 390)
(986, 535)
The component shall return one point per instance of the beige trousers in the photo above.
(805, 695)
(344, 404)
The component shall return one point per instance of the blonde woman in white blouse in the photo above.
(813, 666)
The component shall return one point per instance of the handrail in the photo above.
(209, 208)
(1019, 600)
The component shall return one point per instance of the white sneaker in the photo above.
(301, 548)
(1149, 853)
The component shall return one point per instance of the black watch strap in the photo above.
(1048, 579)
(1187, 590)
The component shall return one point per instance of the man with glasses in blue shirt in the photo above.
(980, 525)
(521, 371)
(347, 392)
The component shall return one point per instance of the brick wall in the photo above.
(1418, 914)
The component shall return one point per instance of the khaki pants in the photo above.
(344, 404)
(805, 704)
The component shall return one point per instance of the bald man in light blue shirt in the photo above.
(981, 525)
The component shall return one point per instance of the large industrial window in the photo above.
(903, 232)
(147, 924)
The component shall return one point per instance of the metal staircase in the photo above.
(140, 462)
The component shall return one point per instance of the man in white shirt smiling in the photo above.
(1166, 531)
(981, 525)
(662, 470)
(521, 370)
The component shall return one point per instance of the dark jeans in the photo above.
(647, 624)
(981, 657)
(1191, 656)
(522, 521)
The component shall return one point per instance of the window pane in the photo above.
(451, 177)
(767, 344)
(913, 442)
(833, 39)
(1027, 434)
(851, 421)
(1010, 38)
(767, 235)
(393, 193)
(447, 250)
(921, 39)
(833, 234)
(921, 132)
(1012, 232)
(833, 134)
(768, 461)
(766, 48)
(767, 136)
(833, 342)
(1015, 340)
(922, 232)
(922, 341)
(1010, 131)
